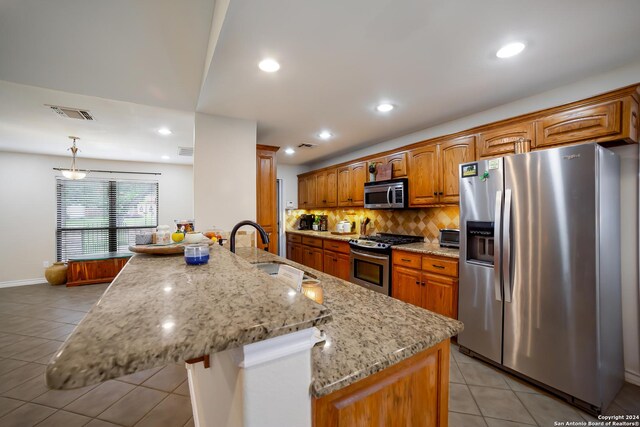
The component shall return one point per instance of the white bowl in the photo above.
(190, 238)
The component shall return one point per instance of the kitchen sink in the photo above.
(272, 268)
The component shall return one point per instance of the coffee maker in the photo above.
(306, 221)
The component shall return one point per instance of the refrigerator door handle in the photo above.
(506, 245)
(497, 258)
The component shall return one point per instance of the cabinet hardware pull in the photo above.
(438, 266)
(424, 284)
(435, 193)
(440, 193)
(417, 282)
(405, 260)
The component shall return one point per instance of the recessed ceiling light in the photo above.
(165, 157)
(269, 65)
(289, 151)
(384, 108)
(325, 134)
(164, 131)
(509, 50)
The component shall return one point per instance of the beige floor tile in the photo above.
(58, 331)
(183, 389)
(481, 374)
(7, 365)
(99, 399)
(502, 404)
(65, 419)
(174, 411)
(100, 423)
(29, 390)
(22, 346)
(61, 398)
(26, 415)
(612, 409)
(168, 378)
(189, 423)
(8, 405)
(461, 358)
(546, 410)
(455, 376)
(460, 400)
(10, 339)
(38, 352)
(465, 420)
(132, 407)
(140, 377)
(20, 375)
(516, 384)
(494, 422)
(629, 398)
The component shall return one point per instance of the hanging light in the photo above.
(73, 173)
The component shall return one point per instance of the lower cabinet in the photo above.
(326, 255)
(337, 264)
(312, 257)
(415, 282)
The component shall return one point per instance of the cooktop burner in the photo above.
(384, 241)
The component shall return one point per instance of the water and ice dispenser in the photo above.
(480, 242)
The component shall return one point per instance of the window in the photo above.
(95, 216)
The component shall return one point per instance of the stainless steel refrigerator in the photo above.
(539, 290)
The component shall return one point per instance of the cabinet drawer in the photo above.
(336, 246)
(447, 267)
(407, 259)
(294, 238)
(316, 242)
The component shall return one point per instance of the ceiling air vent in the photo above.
(185, 151)
(306, 145)
(71, 113)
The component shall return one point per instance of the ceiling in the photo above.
(143, 65)
(435, 60)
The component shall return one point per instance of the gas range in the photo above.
(382, 242)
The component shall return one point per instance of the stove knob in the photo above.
(379, 245)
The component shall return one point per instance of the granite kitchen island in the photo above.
(237, 323)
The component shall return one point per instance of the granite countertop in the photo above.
(324, 235)
(369, 331)
(429, 249)
(160, 310)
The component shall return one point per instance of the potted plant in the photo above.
(372, 171)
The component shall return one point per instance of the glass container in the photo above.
(196, 254)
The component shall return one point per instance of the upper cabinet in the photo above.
(433, 171)
(327, 188)
(399, 163)
(266, 199)
(351, 181)
(608, 121)
(514, 138)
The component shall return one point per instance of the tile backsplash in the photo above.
(420, 222)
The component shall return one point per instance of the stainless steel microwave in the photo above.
(391, 194)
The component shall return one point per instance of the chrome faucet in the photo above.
(263, 234)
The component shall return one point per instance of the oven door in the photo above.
(370, 271)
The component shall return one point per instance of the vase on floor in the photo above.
(56, 274)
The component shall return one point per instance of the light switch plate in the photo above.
(290, 205)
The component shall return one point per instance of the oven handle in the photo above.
(384, 258)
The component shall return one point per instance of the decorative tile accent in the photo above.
(419, 222)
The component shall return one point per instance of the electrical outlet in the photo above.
(289, 205)
(45, 264)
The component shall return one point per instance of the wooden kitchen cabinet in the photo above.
(302, 193)
(427, 281)
(294, 247)
(311, 191)
(399, 164)
(312, 257)
(607, 121)
(514, 138)
(266, 199)
(351, 181)
(337, 264)
(423, 175)
(433, 171)
(327, 188)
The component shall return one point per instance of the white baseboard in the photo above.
(12, 283)
(632, 377)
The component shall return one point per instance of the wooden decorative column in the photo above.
(267, 202)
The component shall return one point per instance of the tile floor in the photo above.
(35, 320)
(480, 395)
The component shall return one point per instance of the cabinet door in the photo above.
(601, 122)
(344, 186)
(358, 178)
(266, 199)
(515, 138)
(302, 193)
(330, 263)
(317, 255)
(406, 285)
(452, 153)
(298, 253)
(343, 266)
(321, 189)
(423, 175)
(331, 188)
(441, 295)
(399, 163)
(311, 191)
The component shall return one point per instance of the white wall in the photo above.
(289, 176)
(586, 88)
(28, 205)
(224, 171)
(629, 250)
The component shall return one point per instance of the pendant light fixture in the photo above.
(74, 173)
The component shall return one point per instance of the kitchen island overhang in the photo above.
(158, 310)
